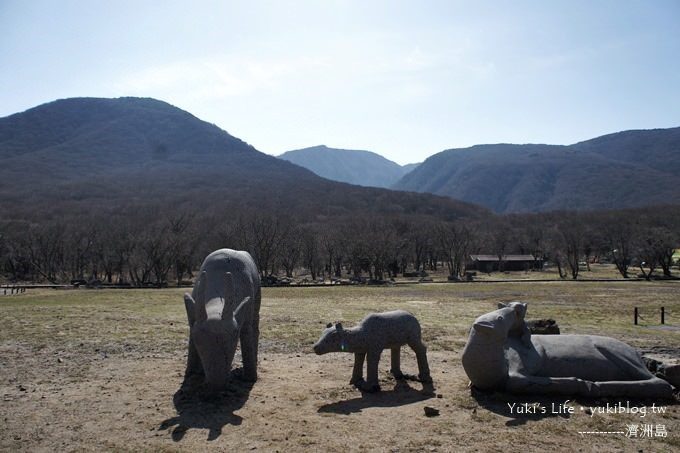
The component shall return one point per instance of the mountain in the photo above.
(624, 170)
(363, 168)
(76, 156)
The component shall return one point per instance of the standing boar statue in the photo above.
(223, 307)
(374, 333)
(502, 354)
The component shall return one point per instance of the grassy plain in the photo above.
(97, 369)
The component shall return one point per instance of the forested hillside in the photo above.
(623, 170)
(136, 192)
(137, 184)
(88, 154)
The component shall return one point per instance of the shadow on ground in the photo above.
(198, 408)
(401, 395)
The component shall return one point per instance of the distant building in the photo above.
(492, 263)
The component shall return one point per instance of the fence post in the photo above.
(662, 315)
(636, 315)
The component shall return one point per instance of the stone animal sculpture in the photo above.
(216, 322)
(502, 354)
(374, 333)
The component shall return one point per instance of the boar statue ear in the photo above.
(329, 325)
(338, 327)
(196, 310)
(200, 313)
(229, 295)
(189, 305)
(501, 305)
(241, 310)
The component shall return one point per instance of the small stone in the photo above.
(431, 411)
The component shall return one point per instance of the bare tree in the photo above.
(420, 243)
(498, 238)
(79, 259)
(311, 257)
(571, 241)
(45, 246)
(291, 250)
(111, 251)
(658, 236)
(332, 244)
(184, 239)
(455, 244)
(533, 237)
(618, 233)
(263, 235)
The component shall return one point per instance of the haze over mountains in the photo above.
(86, 155)
(74, 155)
(363, 168)
(628, 169)
(624, 170)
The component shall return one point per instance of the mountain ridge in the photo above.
(141, 149)
(602, 173)
(364, 168)
(78, 155)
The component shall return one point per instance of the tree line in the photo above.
(157, 247)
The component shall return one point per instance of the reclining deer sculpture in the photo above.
(502, 354)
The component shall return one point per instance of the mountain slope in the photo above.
(76, 156)
(363, 168)
(629, 169)
(658, 149)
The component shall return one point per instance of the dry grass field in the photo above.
(100, 370)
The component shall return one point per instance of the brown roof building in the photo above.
(491, 263)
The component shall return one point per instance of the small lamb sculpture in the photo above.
(377, 331)
(502, 354)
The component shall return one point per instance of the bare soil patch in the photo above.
(116, 385)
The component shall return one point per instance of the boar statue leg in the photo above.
(249, 353)
(249, 336)
(194, 366)
(358, 371)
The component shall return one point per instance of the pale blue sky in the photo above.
(405, 79)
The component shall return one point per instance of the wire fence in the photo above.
(650, 316)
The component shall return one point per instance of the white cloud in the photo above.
(222, 76)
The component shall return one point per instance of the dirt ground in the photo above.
(127, 399)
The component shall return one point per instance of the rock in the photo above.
(431, 411)
(652, 365)
(671, 374)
